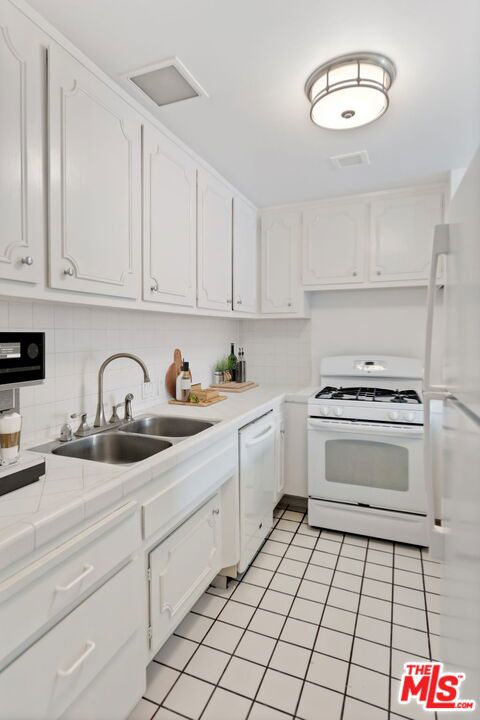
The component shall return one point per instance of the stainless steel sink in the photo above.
(166, 426)
(111, 447)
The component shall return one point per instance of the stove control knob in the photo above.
(393, 415)
(338, 412)
(410, 416)
(324, 410)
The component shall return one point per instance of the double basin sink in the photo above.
(132, 441)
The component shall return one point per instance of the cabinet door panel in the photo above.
(245, 257)
(280, 275)
(181, 568)
(334, 239)
(169, 221)
(214, 281)
(95, 183)
(22, 76)
(402, 236)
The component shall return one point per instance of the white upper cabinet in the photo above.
(95, 183)
(245, 256)
(334, 238)
(169, 221)
(280, 261)
(22, 77)
(214, 248)
(402, 235)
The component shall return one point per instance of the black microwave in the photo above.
(22, 358)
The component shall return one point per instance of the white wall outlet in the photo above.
(148, 390)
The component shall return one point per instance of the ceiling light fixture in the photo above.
(350, 91)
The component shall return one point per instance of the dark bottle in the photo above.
(232, 363)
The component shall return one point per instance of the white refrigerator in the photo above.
(459, 242)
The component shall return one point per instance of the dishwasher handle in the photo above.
(261, 437)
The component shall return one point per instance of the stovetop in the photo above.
(369, 394)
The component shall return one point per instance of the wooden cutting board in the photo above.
(202, 403)
(235, 387)
(172, 372)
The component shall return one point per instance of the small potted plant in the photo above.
(220, 373)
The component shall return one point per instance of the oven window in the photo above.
(368, 464)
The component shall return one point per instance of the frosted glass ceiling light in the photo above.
(350, 91)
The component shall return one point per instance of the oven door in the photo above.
(373, 464)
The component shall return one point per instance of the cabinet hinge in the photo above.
(149, 574)
(149, 632)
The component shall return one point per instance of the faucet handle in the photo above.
(65, 433)
(128, 406)
(114, 417)
(84, 427)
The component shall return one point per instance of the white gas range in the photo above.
(365, 449)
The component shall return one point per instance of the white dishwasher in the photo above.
(257, 485)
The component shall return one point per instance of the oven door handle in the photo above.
(358, 429)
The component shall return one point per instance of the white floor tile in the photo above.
(306, 610)
(372, 629)
(369, 686)
(333, 642)
(207, 664)
(275, 548)
(176, 652)
(324, 559)
(412, 641)
(356, 567)
(299, 633)
(159, 681)
(337, 619)
(267, 623)
(343, 599)
(248, 594)
(434, 602)
(290, 659)
(281, 536)
(432, 584)
(346, 581)
(285, 583)
(410, 617)
(209, 605)
(255, 647)
(379, 558)
(353, 551)
(293, 515)
(359, 540)
(237, 613)
(319, 574)
(144, 710)
(305, 541)
(288, 525)
(378, 572)
(384, 545)
(371, 655)
(194, 627)
(262, 712)
(380, 609)
(224, 704)
(276, 602)
(223, 637)
(408, 579)
(242, 677)
(328, 546)
(407, 550)
(377, 589)
(332, 535)
(315, 697)
(313, 591)
(357, 710)
(280, 691)
(407, 596)
(408, 563)
(298, 553)
(164, 714)
(400, 657)
(305, 529)
(292, 567)
(188, 696)
(328, 671)
(258, 576)
(268, 562)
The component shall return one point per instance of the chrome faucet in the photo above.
(100, 420)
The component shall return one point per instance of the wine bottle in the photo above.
(232, 363)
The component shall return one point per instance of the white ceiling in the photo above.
(253, 57)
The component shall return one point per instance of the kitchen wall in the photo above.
(388, 321)
(80, 338)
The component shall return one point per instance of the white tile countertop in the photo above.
(74, 490)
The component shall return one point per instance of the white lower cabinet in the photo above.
(181, 568)
(68, 672)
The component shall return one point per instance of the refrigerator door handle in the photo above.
(441, 242)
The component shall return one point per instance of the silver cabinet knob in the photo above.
(354, 273)
(379, 272)
(27, 260)
(68, 271)
(229, 301)
(289, 304)
(239, 302)
(154, 288)
(216, 511)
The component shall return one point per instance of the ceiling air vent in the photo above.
(350, 160)
(166, 82)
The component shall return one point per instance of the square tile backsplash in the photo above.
(79, 338)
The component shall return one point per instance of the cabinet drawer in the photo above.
(181, 568)
(48, 678)
(42, 592)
